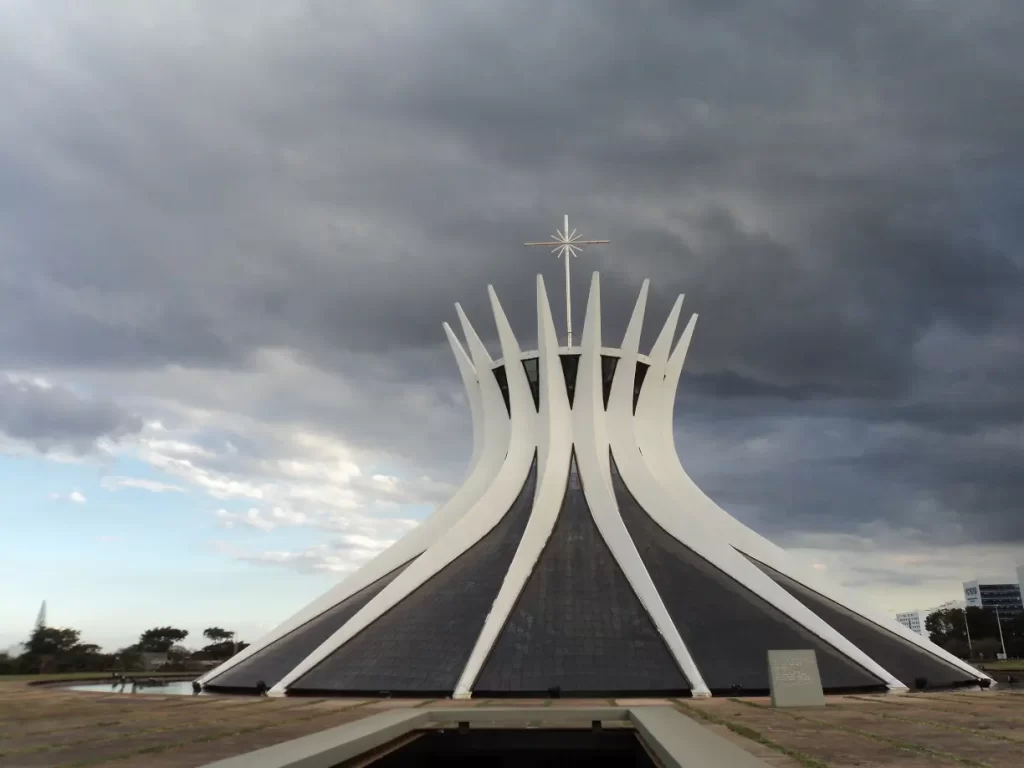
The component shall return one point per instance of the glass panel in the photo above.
(638, 382)
(570, 366)
(726, 627)
(272, 663)
(422, 644)
(577, 624)
(608, 365)
(531, 366)
(899, 657)
(502, 377)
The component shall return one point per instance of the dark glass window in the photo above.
(577, 624)
(532, 367)
(638, 382)
(570, 369)
(273, 662)
(502, 377)
(898, 656)
(421, 645)
(726, 626)
(570, 366)
(608, 365)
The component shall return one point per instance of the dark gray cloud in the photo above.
(836, 188)
(49, 417)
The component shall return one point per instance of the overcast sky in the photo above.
(230, 232)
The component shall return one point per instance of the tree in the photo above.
(178, 652)
(128, 659)
(957, 647)
(987, 647)
(217, 635)
(224, 645)
(946, 626)
(59, 650)
(947, 629)
(160, 639)
(1013, 632)
(50, 641)
(982, 623)
(84, 657)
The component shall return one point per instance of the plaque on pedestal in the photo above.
(794, 677)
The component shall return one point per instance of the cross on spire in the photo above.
(566, 244)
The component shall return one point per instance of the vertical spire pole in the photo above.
(1000, 625)
(970, 648)
(567, 245)
(568, 294)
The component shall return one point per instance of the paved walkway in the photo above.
(47, 727)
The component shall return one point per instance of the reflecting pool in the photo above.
(176, 688)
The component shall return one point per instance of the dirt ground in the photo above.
(49, 727)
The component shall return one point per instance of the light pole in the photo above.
(1000, 625)
(970, 649)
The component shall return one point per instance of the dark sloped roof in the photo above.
(578, 625)
(422, 644)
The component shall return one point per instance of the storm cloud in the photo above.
(50, 418)
(265, 211)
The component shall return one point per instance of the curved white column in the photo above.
(473, 395)
(490, 445)
(657, 442)
(554, 451)
(675, 518)
(654, 424)
(476, 523)
(592, 460)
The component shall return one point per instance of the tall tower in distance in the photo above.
(41, 618)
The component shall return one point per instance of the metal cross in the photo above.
(568, 244)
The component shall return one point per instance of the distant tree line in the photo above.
(949, 628)
(52, 649)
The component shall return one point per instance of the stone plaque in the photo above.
(794, 677)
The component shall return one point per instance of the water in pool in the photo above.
(177, 688)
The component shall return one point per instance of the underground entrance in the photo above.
(508, 748)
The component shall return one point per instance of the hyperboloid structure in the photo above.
(579, 558)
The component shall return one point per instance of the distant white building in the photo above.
(1002, 594)
(915, 620)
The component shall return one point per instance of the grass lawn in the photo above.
(1010, 665)
(57, 676)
